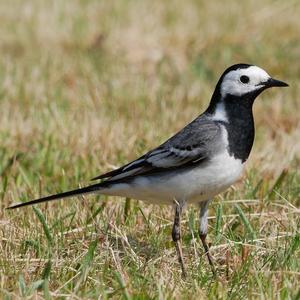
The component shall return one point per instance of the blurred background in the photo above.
(86, 86)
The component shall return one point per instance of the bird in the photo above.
(200, 161)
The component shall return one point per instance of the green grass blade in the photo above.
(245, 222)
(47, 295)
(47, 270)
(278, 183)
(291, 250)
(22, 285)
(42, 219)
(34, 286)
(297, 296)
(46, 276)
(64, 217)
(122, 286)
(95, 213)
(88, 258)
(86, 263)
(257, 188)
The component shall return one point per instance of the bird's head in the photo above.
(238, 87)
(242, 79)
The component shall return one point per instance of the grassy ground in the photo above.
(88, 85)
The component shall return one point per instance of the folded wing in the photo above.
(193, 144)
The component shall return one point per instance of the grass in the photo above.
(89, 85)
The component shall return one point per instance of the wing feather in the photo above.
(191, 145)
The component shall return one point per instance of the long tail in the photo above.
(85, 190)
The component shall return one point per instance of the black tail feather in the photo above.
(85, 190)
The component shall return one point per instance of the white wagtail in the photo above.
(200, 161)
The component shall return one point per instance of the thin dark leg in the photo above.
(176, 235)
(203, 231)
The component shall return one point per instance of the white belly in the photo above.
(191, 184)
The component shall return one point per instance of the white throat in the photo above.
(220, 113)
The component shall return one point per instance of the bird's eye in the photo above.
(244, 79)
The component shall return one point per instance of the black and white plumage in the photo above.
(201, 160)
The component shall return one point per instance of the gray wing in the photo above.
(194, 143)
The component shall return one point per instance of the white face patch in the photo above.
(232, 82)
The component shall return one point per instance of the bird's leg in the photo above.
(203, 231)
(176, 235)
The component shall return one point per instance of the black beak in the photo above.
(274, 83)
